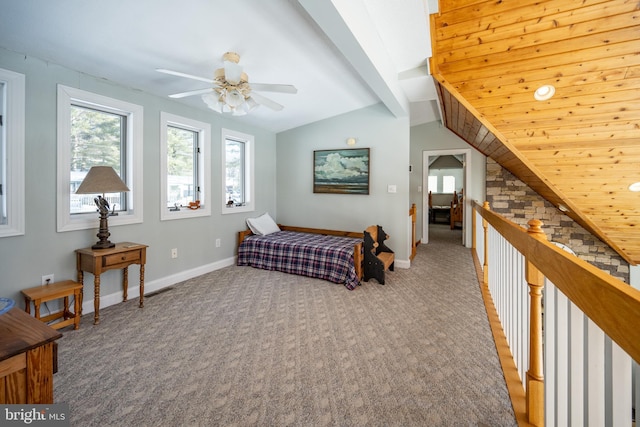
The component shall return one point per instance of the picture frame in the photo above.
(341, 171)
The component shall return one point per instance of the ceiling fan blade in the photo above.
(232, 72)
(190, 93)
(268, 87)
(179, 74)
(266, 102)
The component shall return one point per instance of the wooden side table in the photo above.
(95, 261)
(40, 294)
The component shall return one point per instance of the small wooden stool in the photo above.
(40, 294)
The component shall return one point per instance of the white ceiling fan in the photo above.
(231, 91)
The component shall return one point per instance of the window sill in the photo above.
(92, 220)
(184, 213)
(237, 209)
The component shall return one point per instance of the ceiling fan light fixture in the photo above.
(544, 93)
(213, 102)
(231, 57)
(233, 73)
(210, 100)
(231, 91)
(251, 103)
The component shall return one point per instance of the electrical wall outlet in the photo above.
(174, 253)
(217, 243)
(47, 279)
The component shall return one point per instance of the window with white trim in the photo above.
(448, 184)
(12, 109)
(432, 183)
(95, 130)
(185, 167)
(237, 172)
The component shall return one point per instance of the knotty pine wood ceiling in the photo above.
(581, 148)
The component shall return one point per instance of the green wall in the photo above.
(375, 128)
(42, 250)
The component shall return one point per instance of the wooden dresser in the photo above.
(27, 351)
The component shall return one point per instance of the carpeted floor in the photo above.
(241, 346)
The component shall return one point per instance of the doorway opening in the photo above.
(446, 174)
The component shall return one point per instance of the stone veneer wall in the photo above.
(514, 199)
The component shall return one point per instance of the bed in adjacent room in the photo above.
(331, 255)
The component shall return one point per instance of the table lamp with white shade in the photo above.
(102, 179)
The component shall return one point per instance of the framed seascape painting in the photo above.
(341, 171)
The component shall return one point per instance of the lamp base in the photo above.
(103, 231)
(103, 244)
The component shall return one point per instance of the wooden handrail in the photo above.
(610, 303)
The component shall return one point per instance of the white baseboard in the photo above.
(402, 263)
(155, 285)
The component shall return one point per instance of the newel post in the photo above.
(485, 267)
(535, 376)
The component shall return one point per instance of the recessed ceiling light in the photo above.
(563, 208)
(635, 186)
(544, 92)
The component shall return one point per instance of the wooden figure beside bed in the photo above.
(377, 256)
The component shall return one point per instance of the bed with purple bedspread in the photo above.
(324, 257)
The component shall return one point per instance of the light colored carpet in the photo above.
(241, 346)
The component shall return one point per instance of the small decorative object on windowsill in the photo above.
(102, 179)
(194, 205)
(230, 203)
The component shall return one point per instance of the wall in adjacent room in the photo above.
(446, 165)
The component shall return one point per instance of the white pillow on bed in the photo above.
(262, 225)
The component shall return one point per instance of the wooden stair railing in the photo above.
(610, 303)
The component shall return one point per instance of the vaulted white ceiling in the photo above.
(342, 55)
